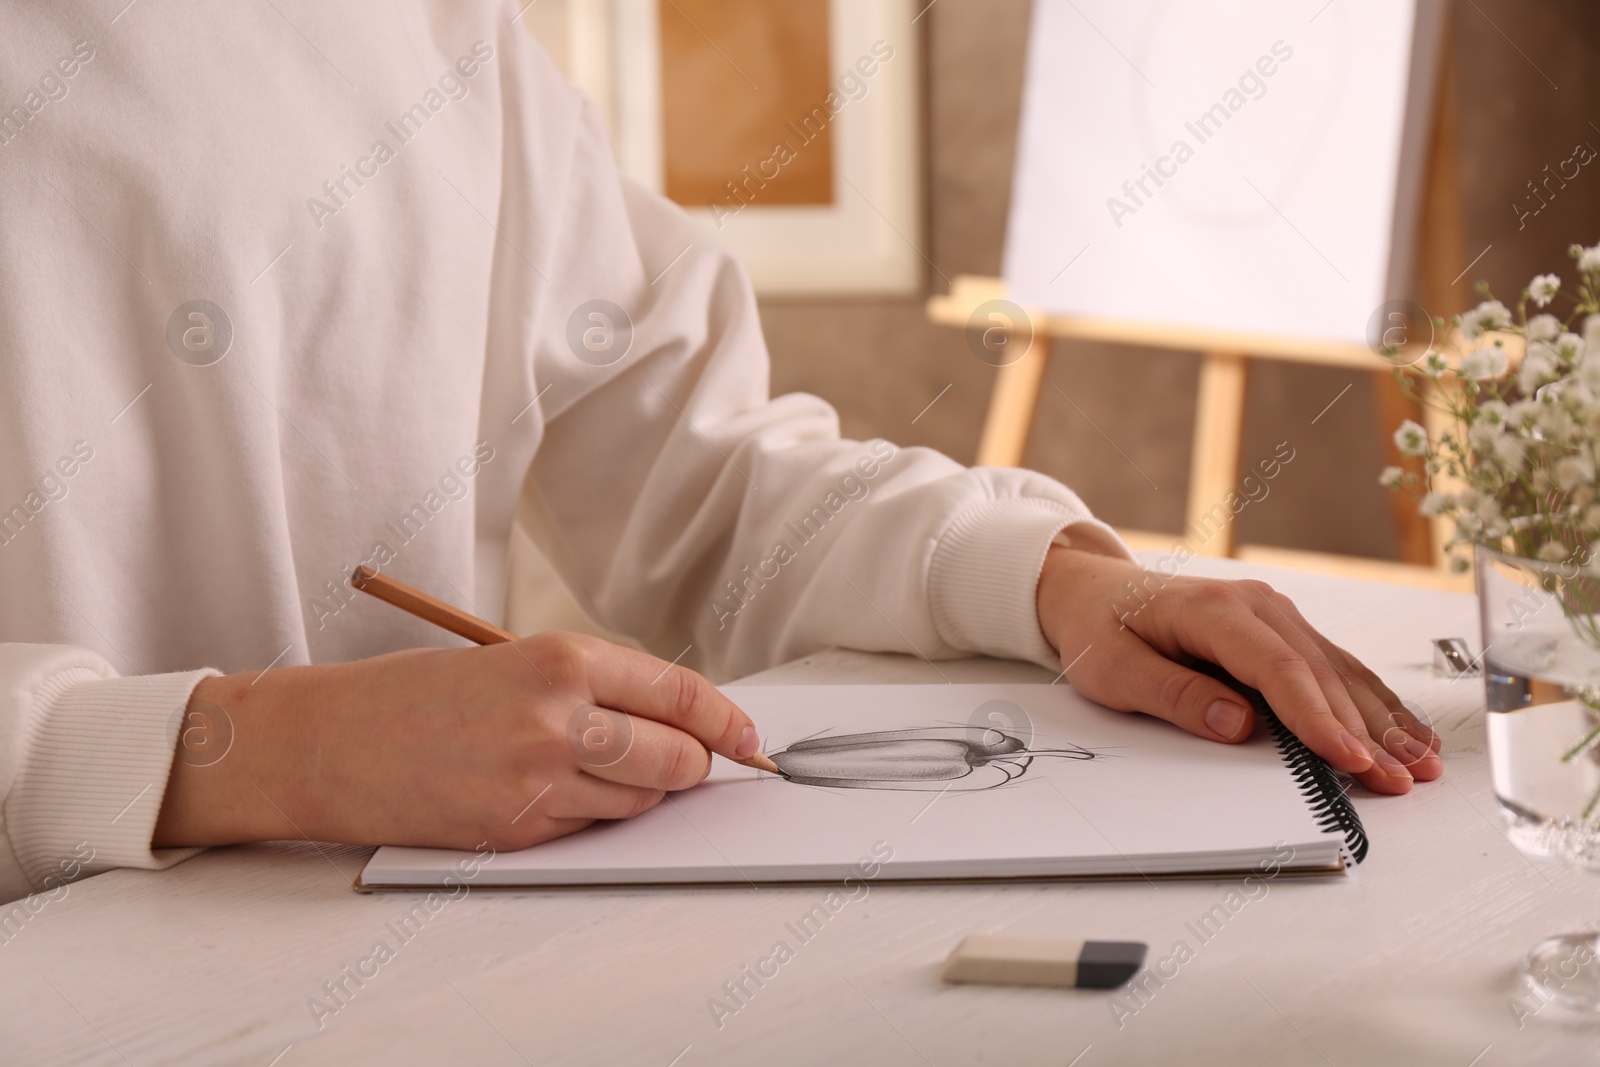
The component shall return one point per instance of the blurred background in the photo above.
(1523, 86)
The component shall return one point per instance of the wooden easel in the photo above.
(1224, 376)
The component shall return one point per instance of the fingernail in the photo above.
(1416, 749)
(748, 743)
(1391, 766)
(1225, 718)
(1356, 749)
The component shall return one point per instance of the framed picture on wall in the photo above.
(790, 127)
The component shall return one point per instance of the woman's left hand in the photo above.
(1134, 654)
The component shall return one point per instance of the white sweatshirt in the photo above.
(400, 218)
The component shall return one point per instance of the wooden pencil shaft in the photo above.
(448, 617)
(429, 609)
(760, 763)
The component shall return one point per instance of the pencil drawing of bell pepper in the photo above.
(925, 759)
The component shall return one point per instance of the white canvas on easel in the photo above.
(1235, 166)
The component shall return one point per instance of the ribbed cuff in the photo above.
(103, 749)
(983, 581)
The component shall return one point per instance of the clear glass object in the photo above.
(1541, 676)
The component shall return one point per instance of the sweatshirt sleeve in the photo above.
(84, 760)
(726, 528)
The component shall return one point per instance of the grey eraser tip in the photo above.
(1041, 961)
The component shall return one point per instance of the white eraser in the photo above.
(1044, 961)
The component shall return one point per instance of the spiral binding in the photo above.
(1330, 805)
(1318, 782)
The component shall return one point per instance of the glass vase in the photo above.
(1541, 674)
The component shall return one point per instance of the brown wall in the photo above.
(880, 363)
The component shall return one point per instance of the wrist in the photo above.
(227, 784)
(1068, 573)
(1047, 601)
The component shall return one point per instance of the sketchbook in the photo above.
(897, 783)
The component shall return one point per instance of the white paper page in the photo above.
(1272, 130)
(1096, 792)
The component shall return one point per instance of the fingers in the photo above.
(1401, 715)
(1233, 637)
(584, 797)
(644, 686)
(656, 757)
(1141, 679)
(1390, 723)
(1349, 687)
(571, 803)
(1278, 612)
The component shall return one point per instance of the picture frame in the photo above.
(861, 234)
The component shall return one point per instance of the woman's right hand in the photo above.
(508, 745)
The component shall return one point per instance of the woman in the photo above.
(290, 288)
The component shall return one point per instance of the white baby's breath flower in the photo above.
(1574, 471)
(1484, 363)
(1411, 439)
(1555, 423)
(1489, 315)
(1548, 395)
(1591, 332)
(1543, 289)
(1481, 435)
(1544, 328)
(1534, 460)
(1538, 367)
(1569, 395)
(1575, 395)
(1509, 454)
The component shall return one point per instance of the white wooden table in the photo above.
(1411, 960)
